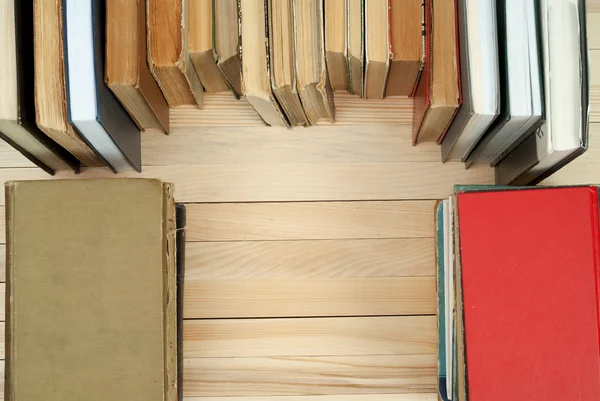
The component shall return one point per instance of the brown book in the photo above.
(168, 58)
(227, 42)
(49, 82)
(91, 290)
(313, 82)
(336, 46)
(127, 73)
(438, 94)
(255, 63)
(356, 46)
(282, 54)
(408, 53)
(378, 49)
(201, 46)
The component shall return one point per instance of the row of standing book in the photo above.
(519, 96)
(518, 284)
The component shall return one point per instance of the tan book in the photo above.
(282, 59)
(313, 82)
(127, 73)
(168, 58)
(227, 42)
(201, 46)
(408, 50)
(336, 46)
(49, 82)
(377, 38)
(356, 46)
(91, 290)
(256, 76)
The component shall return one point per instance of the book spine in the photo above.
(594, 212)
(9, 351)
(180, 256)
(170, 295)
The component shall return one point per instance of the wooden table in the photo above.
(310, 254)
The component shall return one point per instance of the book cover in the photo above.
(531, 310)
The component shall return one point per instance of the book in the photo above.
(336, 46)
(480, 81)
(168, 56)
(201, 46)
(520, 81)
(564, 135)
(282, 54)
(256, 67)
(127, 73)
(49, 84)
(91, 290)
(407, 43)
(356, 46)
(17, 106)
(530, 310)
(94, 111)
(227, 25)
(180, 238)
(311, 72)
(377, 47)
(438, 95)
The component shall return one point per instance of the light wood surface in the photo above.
(319, 241)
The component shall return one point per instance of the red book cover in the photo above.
(530, 281)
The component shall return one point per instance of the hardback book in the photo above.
(227, 26)
(480, 80)
(256, 67)
(311, 71)
(356, 46)
(336, 46)
(407, 19)
(127, 73)
(282, 55)
(91, 309)
(94, 110)
(377, 47)
(168, 55)
(49, 84)
(438, 95)
(201, 46)
(180, 238)
(564, 134)
(529, 296)
(17, 106)
(520, 81)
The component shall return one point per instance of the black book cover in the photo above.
(180, 256)
(25, 89)
(110, 114)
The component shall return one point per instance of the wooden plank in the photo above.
(363, 374)
(277, 145)
(296, 182)
(10, 157)
(312, 220)
(221, 109)
(354, 397)
(227, 338)
(310, 259)
(213, 299)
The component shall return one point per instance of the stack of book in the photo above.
(500, 82)
(518, 294)
(516, 93)
(94, 275)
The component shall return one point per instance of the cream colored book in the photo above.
(313, 82)
(356, 46)
(378, 50)
(227, 42)
(336, 43)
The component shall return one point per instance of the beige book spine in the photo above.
(9, 351)
(170, 293)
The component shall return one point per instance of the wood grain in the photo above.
(228, 338)
(310, 375)
(10, 157)
(309, 220)
(296, 182)
(221, 109)
(212, 299)
(276, 145)
(310, 259)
